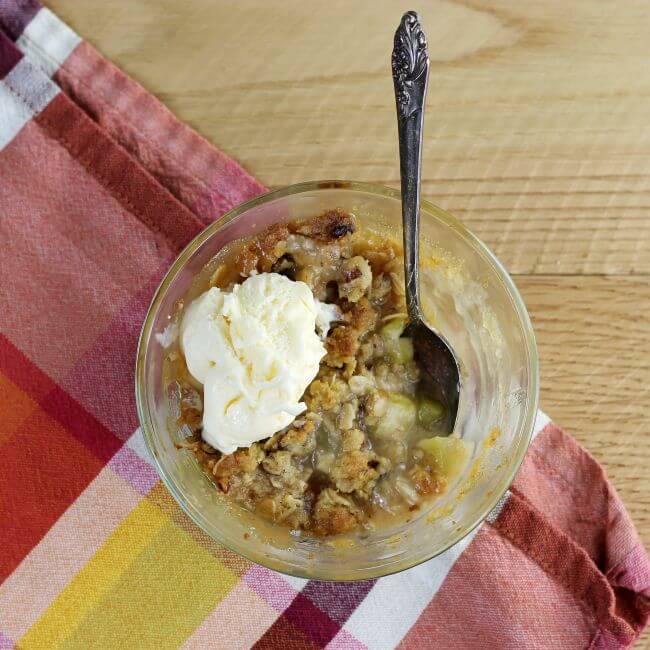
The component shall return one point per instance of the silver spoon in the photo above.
(410, 63)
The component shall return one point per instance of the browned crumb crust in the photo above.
(325, 393)
(362, 317)
(356, 470)
(342, 346)
(335, 514)
(237, 464)
(262, 253)
(326, 227)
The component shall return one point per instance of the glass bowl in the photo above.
(472, 300)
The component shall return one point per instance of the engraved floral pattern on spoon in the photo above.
(409, 61)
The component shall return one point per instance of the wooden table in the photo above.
(537, 136)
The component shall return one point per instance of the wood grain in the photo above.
(593, 335)
(537, 116)
(537, 136)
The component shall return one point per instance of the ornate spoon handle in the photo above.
(410, 63)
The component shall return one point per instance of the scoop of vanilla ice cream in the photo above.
(255, 350)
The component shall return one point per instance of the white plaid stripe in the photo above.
(23, 94)
(47, 41)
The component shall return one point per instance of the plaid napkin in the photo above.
(100, 187)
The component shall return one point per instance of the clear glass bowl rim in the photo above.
(380, 190)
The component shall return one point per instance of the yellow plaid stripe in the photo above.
(149, 585)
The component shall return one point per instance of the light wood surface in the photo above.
(537, 136)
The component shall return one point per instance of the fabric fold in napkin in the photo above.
(100, 188)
